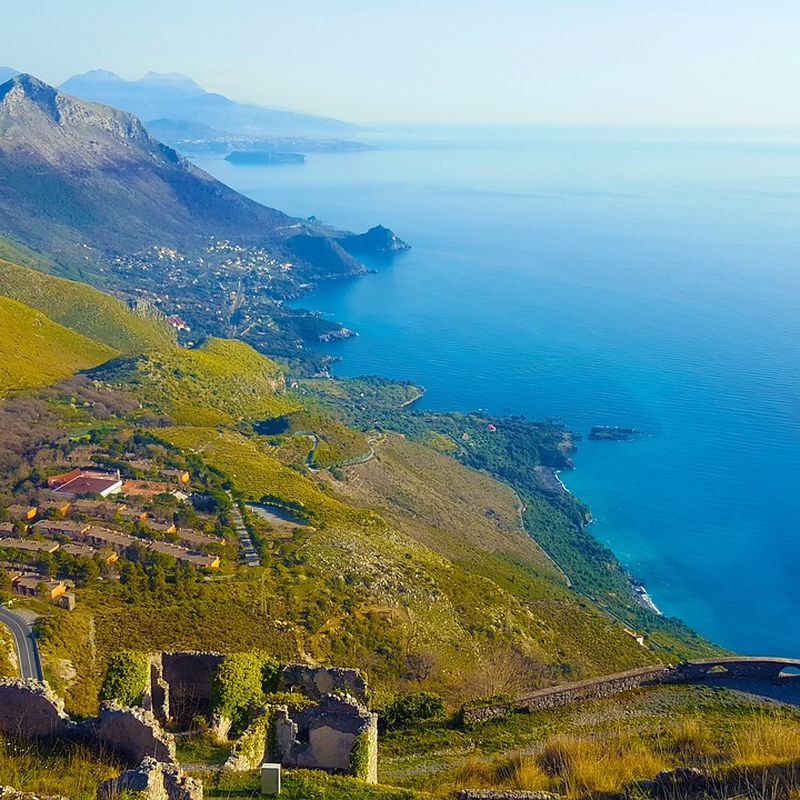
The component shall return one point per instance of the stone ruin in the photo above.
(180, 685)
(323, 736)
(31, 710)
(315, 682)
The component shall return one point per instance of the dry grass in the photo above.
(765, 741)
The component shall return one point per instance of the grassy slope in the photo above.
(598, 746)
(219, 383)
(35, 351)
(83, 309)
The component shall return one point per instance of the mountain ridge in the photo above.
(173, 95)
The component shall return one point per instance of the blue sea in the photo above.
(645, 279)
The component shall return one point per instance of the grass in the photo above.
(601, 747)
(8, 668)
(35, 351)
(83, 309)
(55, 768)
(219, 383)
(304, 785)
(201, 749)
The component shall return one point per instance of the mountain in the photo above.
(178, 97)
(7, 73)
(86, 182)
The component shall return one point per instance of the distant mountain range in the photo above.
(178, 98)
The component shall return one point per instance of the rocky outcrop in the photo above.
(377, 241)
(134, 733)
(315, 682)
(29, 709)
(153, 780)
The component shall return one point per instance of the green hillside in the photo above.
(84, 309)
(35, 351)
(221, 382)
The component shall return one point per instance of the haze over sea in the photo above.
(646, 280)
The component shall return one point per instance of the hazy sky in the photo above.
(617, 62)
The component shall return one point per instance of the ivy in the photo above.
(126, 678)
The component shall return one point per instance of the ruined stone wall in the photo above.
(189, 677)
(133, 733)
(315, 682)
(322, 737)
(155, 781)
(29, 709)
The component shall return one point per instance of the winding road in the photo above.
(30, 665)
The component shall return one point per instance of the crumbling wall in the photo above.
(134, 733)
(29, 709)
(323, 736)
(189, 676)
(315, 682)
(155, 781)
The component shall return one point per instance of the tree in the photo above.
(238, 686)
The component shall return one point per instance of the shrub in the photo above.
(126, 678)
(240, 684)
(359, 756)
(407, 709)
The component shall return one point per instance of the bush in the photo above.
(415, 707)
(240, 684)
(126, 678)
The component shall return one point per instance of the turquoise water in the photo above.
(649, 281)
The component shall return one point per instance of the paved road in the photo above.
(27, 650)
(249, 554)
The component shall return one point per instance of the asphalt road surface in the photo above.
(27, 651)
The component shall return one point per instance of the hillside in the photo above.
(219, 383)
(83, 309)
(35, 351)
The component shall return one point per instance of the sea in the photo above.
(637, 278)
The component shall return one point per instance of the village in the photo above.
(89, 516)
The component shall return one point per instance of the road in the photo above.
(27, 650)
(249, 554)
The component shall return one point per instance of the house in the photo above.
(197, 539)
(56, 507)
(22, 513)
(161, 527)
(183, 555)
(175, 475)
(103, 510)
(31, 585)
(79, 481)
(60, 527)
(103, 537)
(148, 489)
(78, 549)
(29, 545)
(132, 514)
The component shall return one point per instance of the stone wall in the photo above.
(315, 682)
(29, 709)
(133, 733)
(189, 677)
(322, 737)
(155, 781)
(508, 794)
(574, 692)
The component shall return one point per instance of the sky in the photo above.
(710, 63)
